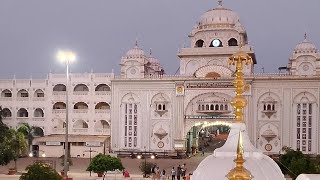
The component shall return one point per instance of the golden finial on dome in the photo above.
(239, 172)
(239, 102)
(220, 2)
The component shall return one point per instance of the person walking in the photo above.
(178, 172)
(163, 174)
(173, 174)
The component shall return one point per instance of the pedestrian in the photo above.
(163, 174)
(173, 174)
(153, 173)
(178, 172)
(202, 151)
(157, 171)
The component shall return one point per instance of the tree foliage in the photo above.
(29, 132)
(145, 167)
(40, 171)
(6, 154)
(295, 163)
(103, 163)
(12, 143)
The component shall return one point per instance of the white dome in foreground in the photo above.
(218, 165)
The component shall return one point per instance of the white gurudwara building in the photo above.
(144, 109)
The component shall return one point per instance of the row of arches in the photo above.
(58, 87)
(22, 93)
(213, 107)
(81, 105)
(201, 43)
(81, 87)
(81, 124)
(22, 112)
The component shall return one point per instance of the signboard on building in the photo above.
(93, 144)
(208, 117)
(53, 143)
(194, 85)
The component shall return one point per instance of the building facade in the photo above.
(143, 109)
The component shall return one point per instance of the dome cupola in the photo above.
(305, 46)
(219, 17)
(135, 52)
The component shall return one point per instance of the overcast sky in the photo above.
(101, 31)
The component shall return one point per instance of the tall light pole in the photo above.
(66, 57)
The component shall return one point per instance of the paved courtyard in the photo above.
(78, 169)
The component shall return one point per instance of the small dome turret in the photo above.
(305, 46)
(135, 52)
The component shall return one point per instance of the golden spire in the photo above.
(239, 102)
(239, 172)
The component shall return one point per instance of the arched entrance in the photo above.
(206, 137)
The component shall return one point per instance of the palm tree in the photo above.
(17, 143)
(29, 132)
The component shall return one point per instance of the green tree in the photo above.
(6, 154)
(295, 163)
(29, 132)
(40, 171)
(103, 163)
(145, 167)
(17, 144)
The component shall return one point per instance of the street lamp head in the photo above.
(153, 156)
(66, 56)
(30, 154)
(43, 155)
(139, 156)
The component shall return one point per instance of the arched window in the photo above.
(207, 107)
(6, 93)
(203, 107)
(23, 93)
(264, 107)
(59, 87)
(81, 87)
(22, 112)
(226, 107)
(38, 93)
(159, 107)
(38, 132)
(221, 107)
(102, 87)
(59, 105)
(199, 107)
(103, 124)
(233, 42)
(80, 105)
(6, 113)
(38, 113)
(102, 105)
(80, 124)
(163, 107)
(217, 107)
(211, 107)
(199, 43)
(272, 107)
(268, 107)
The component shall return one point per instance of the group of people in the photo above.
(179, 173)
(157, 174)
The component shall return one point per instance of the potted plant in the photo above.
(12, 171)
(101, 163)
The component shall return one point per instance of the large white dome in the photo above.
(218, 165)
(219, 17)
(135, 52)
(305, 47)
